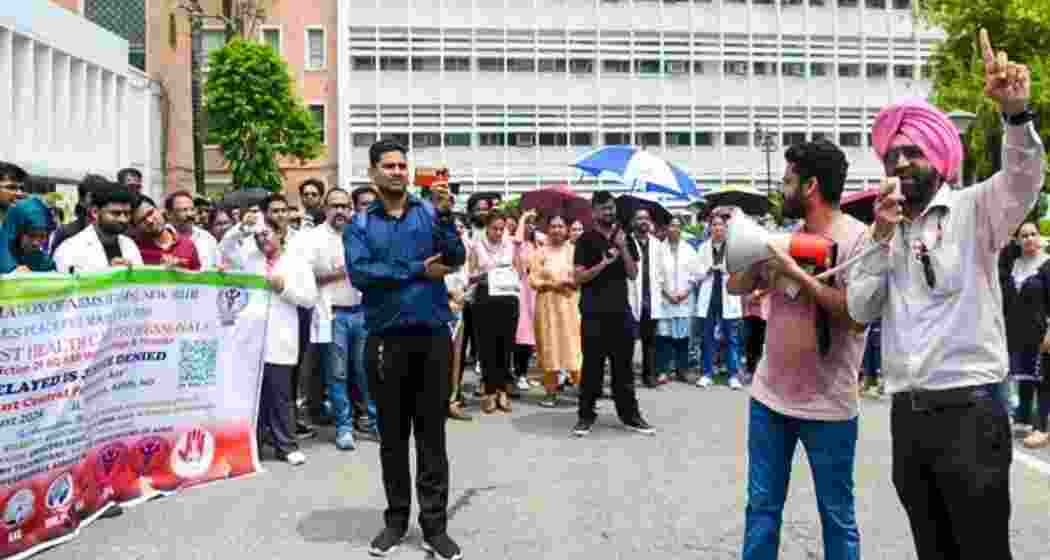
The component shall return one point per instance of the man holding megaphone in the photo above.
(805, 387)
(932, 278)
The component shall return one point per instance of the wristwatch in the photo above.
(1017, 119)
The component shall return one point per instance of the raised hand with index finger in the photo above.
(1009, 83)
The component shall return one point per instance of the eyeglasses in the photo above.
(893, 155)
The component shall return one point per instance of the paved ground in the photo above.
(523, 489)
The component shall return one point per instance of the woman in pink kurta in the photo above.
(557, 320)
(524, 337)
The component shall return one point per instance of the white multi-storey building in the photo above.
(508, 93)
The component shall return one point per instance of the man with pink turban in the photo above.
(934, 282)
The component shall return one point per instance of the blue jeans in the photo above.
(830, 448)
(346, 361)
(731, 334)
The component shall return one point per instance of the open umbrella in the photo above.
(241, 198)
(860, 205)
(628, 204)
(747, 199)
(559, 199)
(639, 169)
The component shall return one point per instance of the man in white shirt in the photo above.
(933, 279)
(338, 322)
(232, 242)
(182, 214)
(102, 244)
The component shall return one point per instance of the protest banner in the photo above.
(120, 386)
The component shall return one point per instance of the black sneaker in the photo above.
(302, 431)
(582, 428)
(639, 425)
(385, 542)
(443, 547)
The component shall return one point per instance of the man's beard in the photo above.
(922, 188)
(111, 228)
(794, 207)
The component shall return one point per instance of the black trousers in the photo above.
(495, 322)
(275, 409)
(469, 342)
(951, 468)
(609, 336)
(647, 328)
(522, 355)
(411, 387)
(306, 380)
(755, 327)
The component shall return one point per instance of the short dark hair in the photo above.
(140, 200)
(336, 190)
(823, 160)
(124, 173)
(359, 191)
(376, 150)
(91, 183)
(601, 197)
(314, 182)
(269, 200)
(111, 193)
(169, 203)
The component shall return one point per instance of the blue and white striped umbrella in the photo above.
(639, 169)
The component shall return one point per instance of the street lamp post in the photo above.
(768, 145)
(962, 120)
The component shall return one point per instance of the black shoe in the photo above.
(442, 546)
(582, 428)
(386, 542)
(302, 431)
(639, 425)
(113, 511)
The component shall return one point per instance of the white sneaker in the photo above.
(704, 382)
(523, 383)
(735, 384)
(295, 458)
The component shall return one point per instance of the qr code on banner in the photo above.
(198, 360)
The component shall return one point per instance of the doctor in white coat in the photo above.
(715, 306)
(643, 292)
(102, 244)
(677, 264)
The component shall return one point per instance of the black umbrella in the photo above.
(243, 198)
(628, 204)
(747, 199)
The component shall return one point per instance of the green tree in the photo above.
(1019, 27)
(254, 116)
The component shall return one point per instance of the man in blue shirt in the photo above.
(398, 253)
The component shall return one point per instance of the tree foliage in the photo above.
(1019, 27)
(254, 115)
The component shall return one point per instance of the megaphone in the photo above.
(748, 244)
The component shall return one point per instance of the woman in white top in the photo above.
(676, 266)
(495, 306)
(717, 308)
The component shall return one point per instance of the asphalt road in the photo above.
(522, 488)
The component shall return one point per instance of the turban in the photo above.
(924, 126)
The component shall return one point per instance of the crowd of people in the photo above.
(382, 298)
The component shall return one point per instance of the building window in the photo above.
(816, 2)
(905, 71)
(457, 139)
(765, 68)
(792, 138)
(616, 66)
(849, 139)
(399, 137)
(703, 139)
(124, 18)
(523, 139)
(647, 138)
(553, 65)
(876, 70)
(647, 66)
(426, 64)
(364, 63)
(271, 37)
(901, 4)
(364, 139)
(316, 51)
(426, 140)
(875, 4)
(847, 3)
(211, 41)
(817, 136)
(492, 139)
(318, 112)
(491, 64)
(457, 64)
(926, 71)
(612, 138)
(521, 65)
(795, 69)
(554, 139)
(869, 140)
(676, 67)
(581, 139)
(818, 69)
(698, 67)
(581, 66)
(735, 68)
(678, 139)
(393, 63)
(849, 70)
(737, 139)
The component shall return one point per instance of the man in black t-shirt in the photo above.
(603, 265)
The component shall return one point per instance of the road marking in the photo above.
(1032, 462)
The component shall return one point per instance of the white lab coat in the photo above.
(84, 252)
(634, 287)
(677, 271)
(282, 320)
(732, 306)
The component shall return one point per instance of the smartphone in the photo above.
(427, 176)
